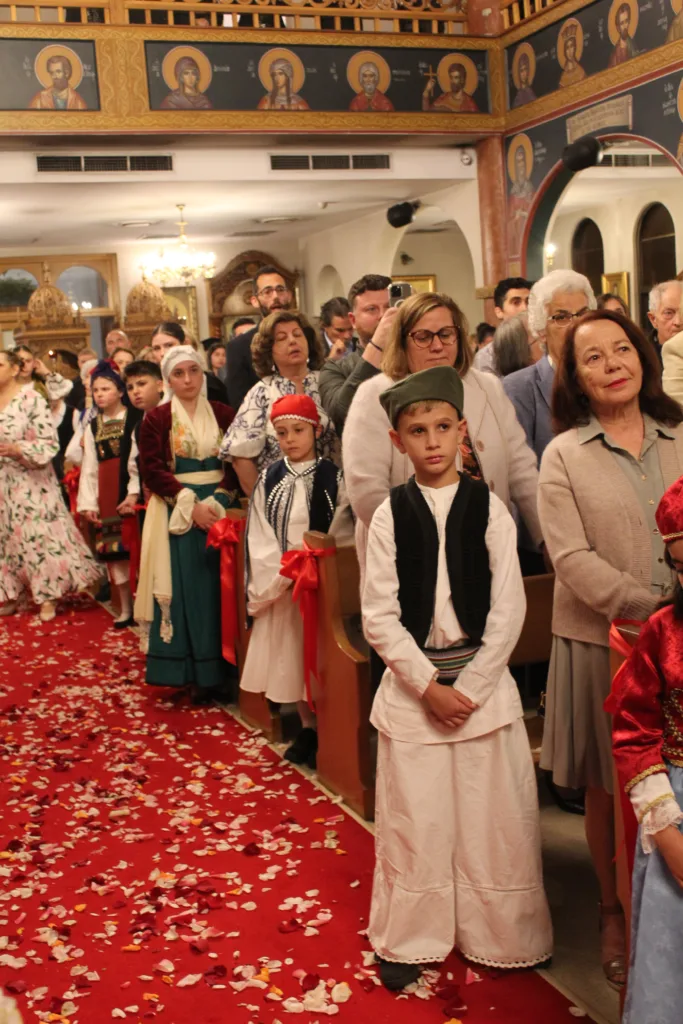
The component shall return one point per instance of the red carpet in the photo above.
(161, 862)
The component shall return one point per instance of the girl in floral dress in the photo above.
(42, 551)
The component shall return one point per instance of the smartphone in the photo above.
(399, 291)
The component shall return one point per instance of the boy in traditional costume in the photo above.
(106, 483)
(457, 827)
(299, 492)
(647, 736)
(178, 599)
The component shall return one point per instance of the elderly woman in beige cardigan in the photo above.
(430, 330)
(620, 446)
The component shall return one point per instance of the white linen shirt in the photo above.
(398, 711)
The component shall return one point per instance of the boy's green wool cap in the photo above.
(439, 384)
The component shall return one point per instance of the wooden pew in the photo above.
(534, 644)
(254, 707)
(343, 694)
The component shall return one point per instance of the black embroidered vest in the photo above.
(113, 440)
(467, 557)
(322, 483)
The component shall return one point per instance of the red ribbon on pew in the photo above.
(302, 567)
(225, 535)
(71, 481)
(130, 538)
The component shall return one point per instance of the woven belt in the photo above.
(450, 661)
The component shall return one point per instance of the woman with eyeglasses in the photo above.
(431, 330)
(619, 447)
(287, 354)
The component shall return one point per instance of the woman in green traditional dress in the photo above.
(178, 598)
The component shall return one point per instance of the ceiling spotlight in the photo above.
(400, 215)
(585, 152)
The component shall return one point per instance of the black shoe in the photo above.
(396, 976)
(201, 697)
(569, 800)
(104, 593)
(124, 623)
(303, 748)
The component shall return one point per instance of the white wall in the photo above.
(369, 245)
(618, 221)
(447, 255)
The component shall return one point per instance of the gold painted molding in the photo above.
(558, 12)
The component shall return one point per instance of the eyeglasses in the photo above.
(424, 339)
(562, 318)
(280, 289)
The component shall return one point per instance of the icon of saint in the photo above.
(370, 97)
(187, 95)
(282, 95)
(59, 95)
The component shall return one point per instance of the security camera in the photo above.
(585, 152)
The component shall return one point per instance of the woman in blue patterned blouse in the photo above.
(287, 354)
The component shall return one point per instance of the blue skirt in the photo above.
(654, 981)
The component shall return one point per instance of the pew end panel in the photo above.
(254, 707)
(343, 692)
(536, 638)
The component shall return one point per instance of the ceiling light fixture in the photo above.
(180, 263)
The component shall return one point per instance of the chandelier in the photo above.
(180, 263)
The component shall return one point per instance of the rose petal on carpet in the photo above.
(159, 861)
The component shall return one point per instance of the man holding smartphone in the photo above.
(371, 316)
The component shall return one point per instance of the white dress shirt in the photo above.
(398, 710)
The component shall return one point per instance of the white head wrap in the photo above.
(178, 354)
(87, 367)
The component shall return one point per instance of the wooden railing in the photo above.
(516, 11)
(431, 17)
(419, 17)
(56, 12)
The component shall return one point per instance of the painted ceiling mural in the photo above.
(239, 76)
(601, 36)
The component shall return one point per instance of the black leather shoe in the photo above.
(303, 748)
(396, 976)
(124, 623)
(201, 697)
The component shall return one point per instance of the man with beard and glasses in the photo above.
(60, 95)
(271, 292)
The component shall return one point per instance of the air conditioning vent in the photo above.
(659, 160)
(158, 238)
(287, 162)
(53, 164)
(631, 160)
(151, 163)
(250, 234)
(330, 163)
(102, 164)
(371, 162)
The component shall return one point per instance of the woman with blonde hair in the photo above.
(431, 330)
(287, 354)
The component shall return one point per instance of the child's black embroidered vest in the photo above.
(322, 484)
(467, 557)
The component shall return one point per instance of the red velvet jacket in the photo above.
(154, 442)
(647, 701)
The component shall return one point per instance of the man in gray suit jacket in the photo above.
(555, 302)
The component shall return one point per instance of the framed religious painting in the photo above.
(617, 284)
(418, 282)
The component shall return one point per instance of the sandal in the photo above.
(613, 945)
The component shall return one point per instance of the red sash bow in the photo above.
(71, 481)
(302, 567)
(225, 535)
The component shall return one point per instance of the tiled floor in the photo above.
(573, 894)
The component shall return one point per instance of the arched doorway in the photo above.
(329, 285)
(656, 246)
(588, 254)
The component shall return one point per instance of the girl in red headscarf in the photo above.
(299, 492)
(648, 747)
